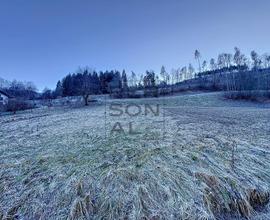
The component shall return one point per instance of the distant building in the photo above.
(139, 93)
(4, 97)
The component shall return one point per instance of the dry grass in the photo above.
(57, 163)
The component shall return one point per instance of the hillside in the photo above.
(200, 157)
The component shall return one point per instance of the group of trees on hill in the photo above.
(85, 82)
(18, 93)
(238, 59)
(23, 90)
(243, 77)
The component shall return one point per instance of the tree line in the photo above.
(18, 89)
(85, 82)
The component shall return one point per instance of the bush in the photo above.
(15, 105)
(253, 95)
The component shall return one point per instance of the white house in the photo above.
(4, 98)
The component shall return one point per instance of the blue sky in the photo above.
(43, 40)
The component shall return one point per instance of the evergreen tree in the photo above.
(124, 81)
(59, 89)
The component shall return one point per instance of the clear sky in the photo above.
(43, 40)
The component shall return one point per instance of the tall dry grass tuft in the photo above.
(11, 214)
(78, 209)
(223, 198)
(258, 198)
(82, 207)
(79, 189)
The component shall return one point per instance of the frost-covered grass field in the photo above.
(202, 157)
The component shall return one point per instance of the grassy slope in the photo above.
(213, 161)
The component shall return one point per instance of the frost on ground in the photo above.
(208, 160)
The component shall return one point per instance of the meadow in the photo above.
(201, 157)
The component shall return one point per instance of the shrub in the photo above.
(15, 105)
(253, 95)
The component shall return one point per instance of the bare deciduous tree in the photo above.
(197, 56)
(255, 59)
(213, 65)
(204, 65)
(266, 60)
(190, 71)
(164, 75)
(184, 73)
(239, 58)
